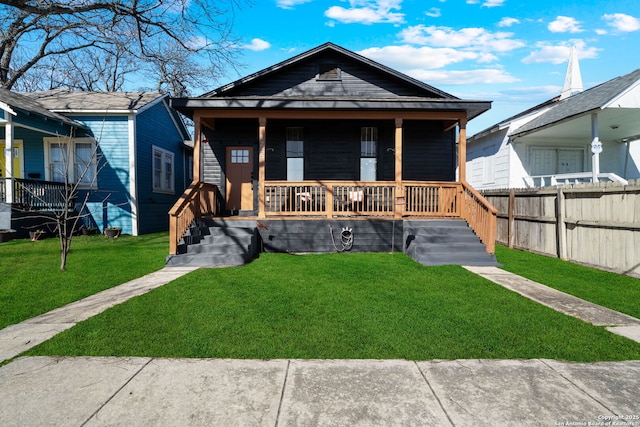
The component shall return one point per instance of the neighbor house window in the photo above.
(368, 153)
(295, 154)
(72, 162)
(163, 170)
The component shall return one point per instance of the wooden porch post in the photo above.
(462, 150)
(197, 147)
(398, 207)
(262, 156)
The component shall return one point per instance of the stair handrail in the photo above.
(198, 199)
(481, 216)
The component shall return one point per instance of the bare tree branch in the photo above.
(34, 31)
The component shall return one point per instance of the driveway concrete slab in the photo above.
(358, 393)
(49, 391)
(559, 301)
(509, 392)
(193, 392)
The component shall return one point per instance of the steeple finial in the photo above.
(573, 78)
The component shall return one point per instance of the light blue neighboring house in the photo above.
(144, 158)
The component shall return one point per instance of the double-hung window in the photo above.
(163, 171)
(368, 153)
(295, 154)
(73, 162)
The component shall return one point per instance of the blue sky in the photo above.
(513, 53)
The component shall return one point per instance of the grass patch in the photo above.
(32, 282)
(343, 306)
(615, 291)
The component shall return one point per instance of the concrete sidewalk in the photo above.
(39, 391)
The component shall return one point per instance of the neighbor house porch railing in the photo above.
(35, 195)
(330, 199)
(197, 201)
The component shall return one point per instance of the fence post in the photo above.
(561, 227)
(511, 232)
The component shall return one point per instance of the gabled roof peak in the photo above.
(328, 46)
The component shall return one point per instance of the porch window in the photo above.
(368, 153)
(83, 168)
(295, 154)
(163, 181)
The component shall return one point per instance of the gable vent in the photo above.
(328, 71)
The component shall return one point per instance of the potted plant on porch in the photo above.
(112, 232)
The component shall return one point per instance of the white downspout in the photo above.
(133, 179)
(8, 156)
(596, 147)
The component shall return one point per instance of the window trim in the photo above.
(164, 154)
(71, 152)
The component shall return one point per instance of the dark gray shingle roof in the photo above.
(581, 103)
(29, 105)
(67, 101)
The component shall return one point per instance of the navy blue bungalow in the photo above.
(324, 139)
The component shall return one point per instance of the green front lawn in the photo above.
(615, 291)
(344, 306)
(31, 282)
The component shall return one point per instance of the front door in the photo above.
(16, 155)
(239, 171)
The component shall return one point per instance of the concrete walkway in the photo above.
(616, 322)
(20, 337)
(134, 391)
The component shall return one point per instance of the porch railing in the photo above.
(35, 195)
(480, 215)
(380, 198)
(198, 200)
(348, 198)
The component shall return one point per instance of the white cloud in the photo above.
(622, 22)
(487, 3)
(493, 3)
(257, 45)
(367, 12)
(410, 57)
(601, 32)
(469, 38)
(468, 77)
(565, 24)
(560, 53)
(290, 4)
(507, 22)
(434, 12)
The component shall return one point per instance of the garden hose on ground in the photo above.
(346, 239)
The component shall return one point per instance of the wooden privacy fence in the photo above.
(595, 224)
